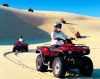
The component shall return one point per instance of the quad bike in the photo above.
(18, 46)
(65, 57)
(5, 4)
(30, 10)
(78, 35)
(63, 21)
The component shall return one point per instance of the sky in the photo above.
(83, 7)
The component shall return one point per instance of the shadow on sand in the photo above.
(74, 74)
(39, 36)
(84, 36)
(69, 23)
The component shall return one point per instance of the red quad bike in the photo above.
(78, 35)
(23, 47)
(63, 21)
(65, 57)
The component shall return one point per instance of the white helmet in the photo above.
(57, 24)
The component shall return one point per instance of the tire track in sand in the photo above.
(27, 63)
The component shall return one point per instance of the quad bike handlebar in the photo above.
(59, 39)
(67, 40)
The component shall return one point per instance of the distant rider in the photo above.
(21, 40)
(62, 20)
(78, 34)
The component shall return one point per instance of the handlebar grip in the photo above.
(59, 39)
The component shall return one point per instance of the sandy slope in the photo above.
(36, 28)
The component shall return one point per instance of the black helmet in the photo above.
(21, 36)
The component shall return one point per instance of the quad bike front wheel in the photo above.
(26, 49)
(59, 67)
(87, 67)
(39, 64)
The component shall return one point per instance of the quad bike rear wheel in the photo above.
(59, 67)
(87, 67)
(39, 64)
(14, 49)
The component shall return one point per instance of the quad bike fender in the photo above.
(43, 56)
(45, 51)
(57, 52)
(25, 45)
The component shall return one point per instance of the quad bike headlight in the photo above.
(69, 52)
(84, 47)
(84, 52)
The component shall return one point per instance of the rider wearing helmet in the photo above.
(21, 40)
(56, 35)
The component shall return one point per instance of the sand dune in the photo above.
(14, 24)
(36, 28)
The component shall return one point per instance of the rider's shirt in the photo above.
(21, 40)
(57, 35)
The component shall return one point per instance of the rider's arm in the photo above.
(68, 37)
(64, 35)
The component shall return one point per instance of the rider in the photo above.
(78, 34)
(62, 20)
(21, 40)
(56, 35)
